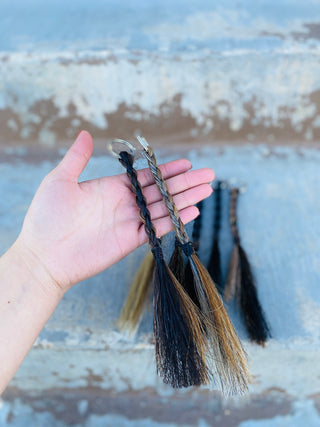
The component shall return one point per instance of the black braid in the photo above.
(127, 161)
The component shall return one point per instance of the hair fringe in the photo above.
(227, 351)
(180, 342)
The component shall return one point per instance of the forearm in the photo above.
(28, 297)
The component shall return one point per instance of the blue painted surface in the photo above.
(58, 25)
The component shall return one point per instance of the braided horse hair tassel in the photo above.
(179, 344)
(240, 282)
(214, 265)
(138, 295)
(228, 356)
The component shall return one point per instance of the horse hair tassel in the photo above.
(240, 282)
(179, 339)
(228, 356)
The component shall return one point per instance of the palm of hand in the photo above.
(75, 230)
(92, 225)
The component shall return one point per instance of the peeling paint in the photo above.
(227, 70)
(276, 95)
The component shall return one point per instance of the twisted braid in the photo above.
(127, 161)
(167, 197)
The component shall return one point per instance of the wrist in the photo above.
(28, 265)
(28, 297)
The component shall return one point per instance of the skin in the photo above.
(73, 231)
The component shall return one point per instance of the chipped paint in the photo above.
(218, 70)
(274, 95)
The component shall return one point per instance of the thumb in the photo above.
(77, 156)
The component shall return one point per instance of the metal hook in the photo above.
(136, 150)
(116, 146)
(145, 145)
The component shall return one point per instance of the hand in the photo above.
(75, 230)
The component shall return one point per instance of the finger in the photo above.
(182, 200)
(77, 156)
(180, 183)
(164, 225)
(168, 170)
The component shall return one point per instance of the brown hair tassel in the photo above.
(229, 358)
(240, 282)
